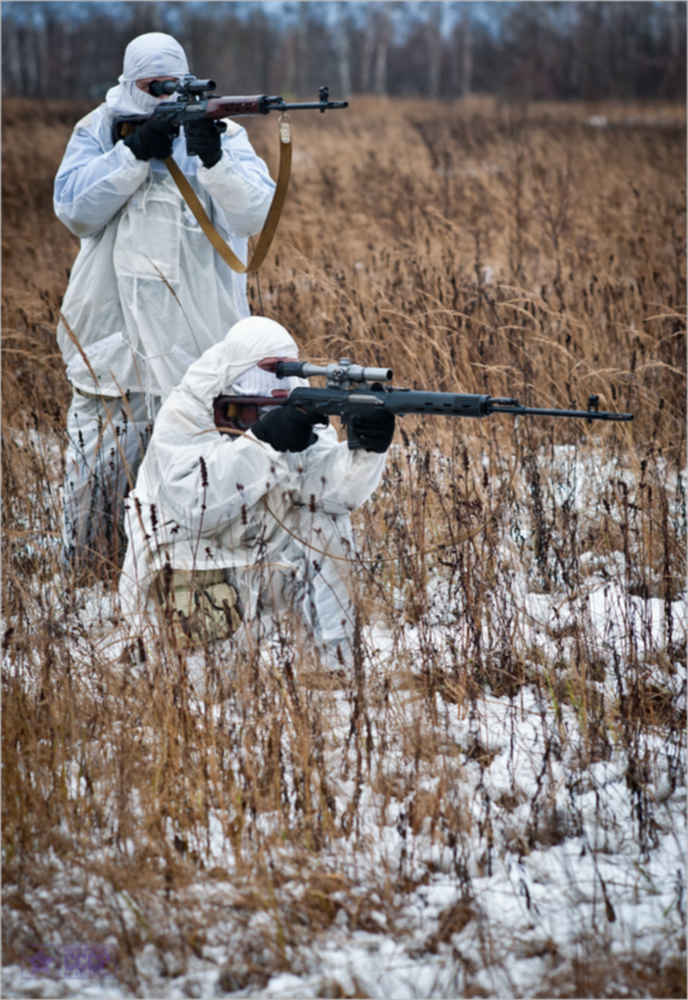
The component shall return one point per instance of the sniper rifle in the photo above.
(194, 101)
(352, 389)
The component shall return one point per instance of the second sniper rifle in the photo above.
(354, 389)
(194, 101)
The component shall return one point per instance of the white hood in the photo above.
(250, 340)
(150, 55)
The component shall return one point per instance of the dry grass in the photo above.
(511, 250)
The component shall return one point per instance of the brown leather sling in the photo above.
(268, 231)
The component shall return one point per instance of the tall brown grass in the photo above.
(515, 251)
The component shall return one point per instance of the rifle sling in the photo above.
(268, 230)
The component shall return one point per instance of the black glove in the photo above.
(373, 429)
(152, 140)
(203, 138)
(287, 428)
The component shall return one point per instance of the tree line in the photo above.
(530, 50)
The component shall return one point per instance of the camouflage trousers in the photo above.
(107, 439)
(198, 606)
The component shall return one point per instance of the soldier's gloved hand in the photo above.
(374, 429)
(152, 140)
(204, 139)
(287, 428)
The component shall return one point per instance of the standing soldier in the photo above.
(147, 293)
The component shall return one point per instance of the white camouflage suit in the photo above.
(147, 293)
(277, 523)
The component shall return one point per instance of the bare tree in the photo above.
(539, 50)
(367, 51)
(342, 45)
(673, 38)
(382, 30)
(433, 39)
(465, 54)
(11, 56)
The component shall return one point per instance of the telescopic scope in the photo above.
(340, 371)
(185, 85)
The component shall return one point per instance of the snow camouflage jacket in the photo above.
(204, 500)
(147, 293)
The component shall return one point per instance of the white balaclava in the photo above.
(145, 57)
(231, 366)
(256, 382)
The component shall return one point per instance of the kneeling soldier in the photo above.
(242, 523)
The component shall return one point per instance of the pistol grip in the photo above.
(352, 439)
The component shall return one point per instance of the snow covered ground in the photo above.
(515, 841)
(494, 915)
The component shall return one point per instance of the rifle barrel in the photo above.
(498, 407)
(311, 105)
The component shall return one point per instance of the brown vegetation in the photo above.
(515, 251)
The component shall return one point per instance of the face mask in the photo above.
(256, 382)
(128, 99)
(144, 100)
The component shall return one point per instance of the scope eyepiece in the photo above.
(159, 87)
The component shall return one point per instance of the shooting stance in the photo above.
(246, 521)
(147, 293)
